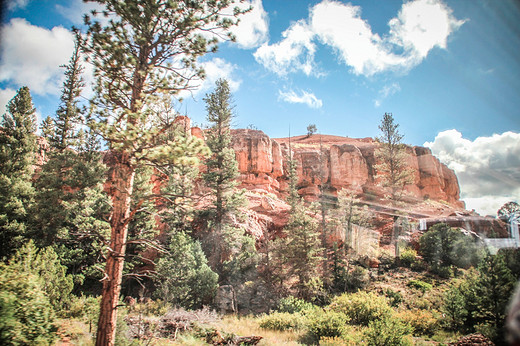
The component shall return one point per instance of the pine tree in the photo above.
(392, 169)
(225, 237)
(183, 275)
(494, 288)
(17, 152)
(69, 114)
(136, 59)
(303, 250)
(71, 208)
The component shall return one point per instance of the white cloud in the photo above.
(488, 168)
(76, 9)
(386, 91)
(31, 55)
(5, 96)
(16, 4)
(294, 53)
(304, 97)
(215, 69)
(420, 26)
(253, 27)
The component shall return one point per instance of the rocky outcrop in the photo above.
(334, 163)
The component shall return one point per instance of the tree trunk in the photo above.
(121, 181)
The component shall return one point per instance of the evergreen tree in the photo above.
(68, 115)
(392, 169)
(71, 209)
(136, 59)
(183, 275)
(494, 288)
(17, 151)
(303, 250)
(225, 236)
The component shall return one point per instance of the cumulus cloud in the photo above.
(303, 97)
(5, 96)
(420, 26)
(386, 91)
(252, 29)
(31, 55)
(294, 53)
(488, 168)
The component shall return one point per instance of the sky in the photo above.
(448, 71)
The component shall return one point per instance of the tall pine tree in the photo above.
(392, 168)
(17, 153)
(225, 238)
(148, 50)
(71, 209)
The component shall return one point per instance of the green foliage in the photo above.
(69, 114)
(311, 129)
(361, 307)
(395, 298)
(17, 149)
(45, 265)
(510, 210)
(183, 276)
(387, 331)
(293, 305)
(26, 292)
(408, 257)
(325, 324)
(420, 285)
(443, 246)
(393, 170)
(303, 250)
(494, 288)
(225, 238)
(282, 321)
(423, 322)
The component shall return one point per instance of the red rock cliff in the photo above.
(335, 163)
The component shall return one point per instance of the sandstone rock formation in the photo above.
(333, 163)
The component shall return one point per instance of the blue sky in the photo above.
(449, 71)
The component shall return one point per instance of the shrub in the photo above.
(292, 304)
(444, 246)
(26, 315)
(325, 324)
(423, 322)
(387, 331)
(395, 298)
(408, 257)
(282, 321)
(420, 285)
(361, 307)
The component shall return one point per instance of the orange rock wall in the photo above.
(335, 165)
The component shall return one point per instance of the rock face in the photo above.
(334, 163)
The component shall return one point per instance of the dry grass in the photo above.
(248, 326)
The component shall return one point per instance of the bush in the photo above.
(292, 304)
(408, 257)
(423, 322)
(395, 298)
(361, 307)
(282, 321)
(325, 324)
(420, 285)
(26, 315)
(388, 331)
(443, 246)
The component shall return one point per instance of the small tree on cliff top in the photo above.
(149, 49)
(392, 169)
